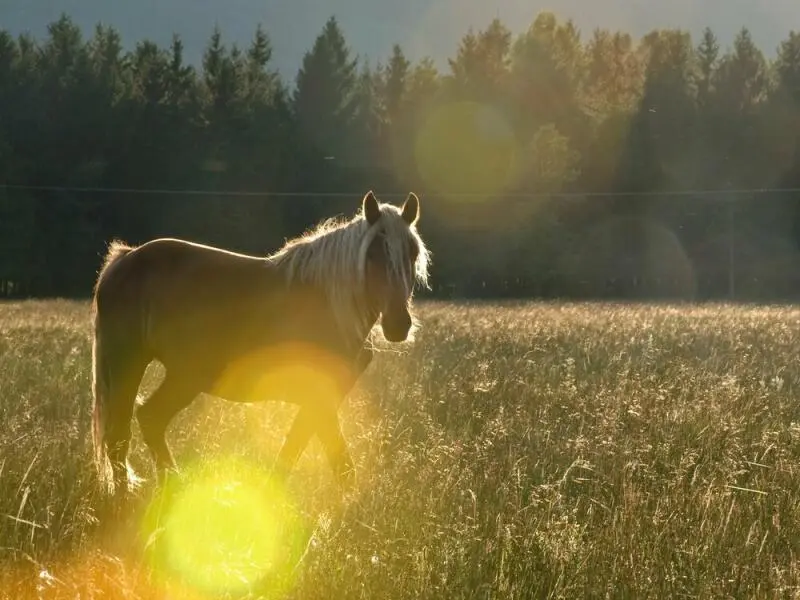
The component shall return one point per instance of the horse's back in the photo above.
(205, 304)
(174, 267)
(174, 253)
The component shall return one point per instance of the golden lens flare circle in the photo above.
(224, 526)
(466, 147)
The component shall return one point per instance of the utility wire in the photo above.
(240, 193)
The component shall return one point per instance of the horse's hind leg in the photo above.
(121, 399)
(175, 393)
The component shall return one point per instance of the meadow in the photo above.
(521, 450)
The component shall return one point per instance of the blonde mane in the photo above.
(333, 256)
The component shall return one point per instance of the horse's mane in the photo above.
(333, 256)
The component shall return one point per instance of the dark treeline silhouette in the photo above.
(553, 164)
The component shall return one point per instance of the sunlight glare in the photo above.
(637, 250)
(467, 147)
(293, 372)
(225, 528)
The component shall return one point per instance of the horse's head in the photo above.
(395, 259)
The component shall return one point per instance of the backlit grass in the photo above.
(514, 451)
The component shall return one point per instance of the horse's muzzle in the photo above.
(396, 327)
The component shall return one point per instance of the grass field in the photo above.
(513, 452)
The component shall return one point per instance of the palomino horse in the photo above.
(219, 322)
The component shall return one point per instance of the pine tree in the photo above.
(707, 62)
(325, 86)
(396, 76)
(324, 105)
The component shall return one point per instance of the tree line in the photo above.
(553, 163)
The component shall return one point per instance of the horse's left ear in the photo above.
(369, 206)
(411, 209)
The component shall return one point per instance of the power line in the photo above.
(170, 192)
(240, 193)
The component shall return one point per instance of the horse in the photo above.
(223, 322)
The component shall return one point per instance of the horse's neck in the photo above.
(354, 341)
(347, 338)
(312, 317)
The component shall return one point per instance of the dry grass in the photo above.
(515, 451)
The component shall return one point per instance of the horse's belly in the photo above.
(246, 362)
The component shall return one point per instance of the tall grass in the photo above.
(515, 451)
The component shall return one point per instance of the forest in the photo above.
(553, 164)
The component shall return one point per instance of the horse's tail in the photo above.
(116, 250)
(100, 388)
(101, 374)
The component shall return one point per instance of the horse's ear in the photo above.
(369, 206)
(411, 209)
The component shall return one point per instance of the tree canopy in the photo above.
(552, 163)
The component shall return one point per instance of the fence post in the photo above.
(731, 251)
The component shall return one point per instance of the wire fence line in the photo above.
(735, 243)
(723, 192)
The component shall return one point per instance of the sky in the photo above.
(422, 27)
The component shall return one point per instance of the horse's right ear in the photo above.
(369, 206)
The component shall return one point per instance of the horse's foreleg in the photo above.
(323, 421)
(330, 434)
(329, 428)
(296, 441)
(154, 415)
(363, 361)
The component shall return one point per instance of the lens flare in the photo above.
(632, 256)
(226, 527)
(467, 147)
(292, 372)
